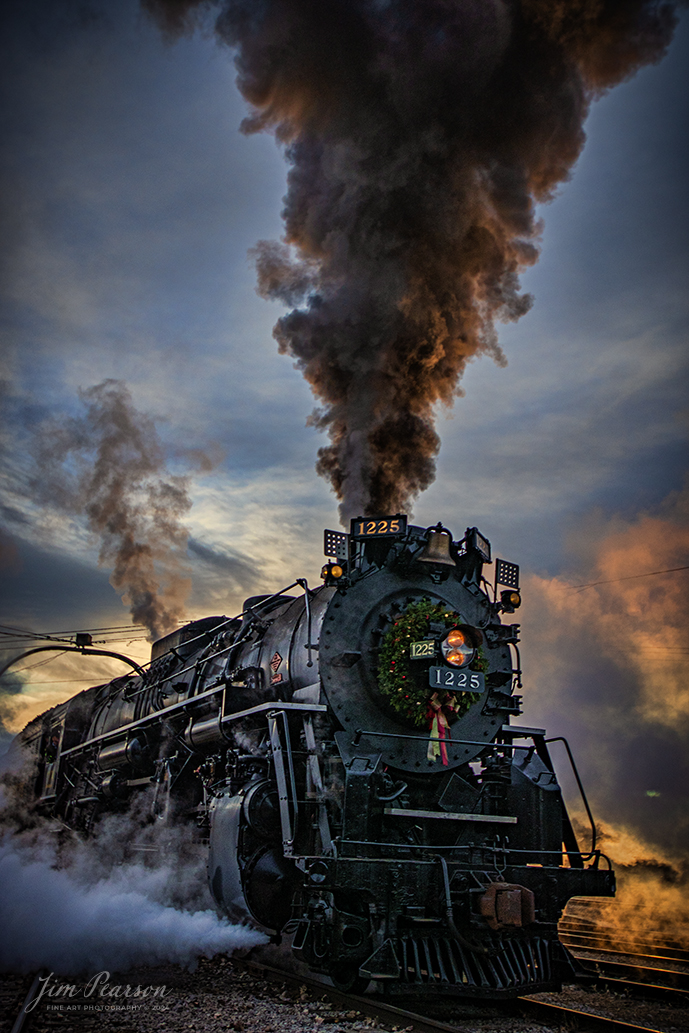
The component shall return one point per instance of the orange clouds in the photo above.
(639, 624)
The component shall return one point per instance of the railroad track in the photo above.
(652, 967)
(22, 1017)
(433, 1016)
(530, 1007)
(596, 941)
(583, 934)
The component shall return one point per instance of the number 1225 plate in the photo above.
(456, 681)
(380, 527)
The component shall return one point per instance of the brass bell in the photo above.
(437, 548)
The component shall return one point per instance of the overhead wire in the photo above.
(628, 577)
(13, 629)
(41, 663)
(68, 681)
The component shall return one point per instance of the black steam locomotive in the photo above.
(348, 755)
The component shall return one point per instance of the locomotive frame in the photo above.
(329, 819)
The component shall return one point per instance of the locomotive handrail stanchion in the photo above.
(560, 738)
(518, 669)
(307, 604)
(288, 824)
(314, 772)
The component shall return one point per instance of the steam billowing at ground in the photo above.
(420, 138)
(109, 466)
(134, 894)
(651, 888)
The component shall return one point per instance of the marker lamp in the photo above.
(332, 570)
(510, 600)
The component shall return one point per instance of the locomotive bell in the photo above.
(437, 549)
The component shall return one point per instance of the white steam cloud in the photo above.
(77, 907)
(52, 920)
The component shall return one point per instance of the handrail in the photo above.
(230, 620)
(303, 583)
(191, 703)
(360, 732)
(505, 851)
(560, 738)
(212, 656)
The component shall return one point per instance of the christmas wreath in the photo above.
(402, 682)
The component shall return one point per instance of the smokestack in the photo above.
(109, 466)
(420, 138)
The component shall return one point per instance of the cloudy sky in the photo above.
(129, 202)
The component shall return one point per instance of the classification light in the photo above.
(332, 570)
(510, 600)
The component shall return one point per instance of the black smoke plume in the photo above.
(420, 136)
(109, 466)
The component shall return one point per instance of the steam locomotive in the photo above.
(348, 755)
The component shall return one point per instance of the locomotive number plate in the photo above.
(421, 650)
(380, 527)
(456, 681)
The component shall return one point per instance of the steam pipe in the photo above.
(240, 638)
(449, 914)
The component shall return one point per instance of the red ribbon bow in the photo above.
(439, 725)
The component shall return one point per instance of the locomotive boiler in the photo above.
(350, 756)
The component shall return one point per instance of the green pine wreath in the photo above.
(401, 682)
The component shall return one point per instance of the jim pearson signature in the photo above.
(98, 987)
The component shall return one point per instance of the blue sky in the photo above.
(130, 201)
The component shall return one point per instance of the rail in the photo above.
(554, 1014)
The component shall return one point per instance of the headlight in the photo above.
(457, 649)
